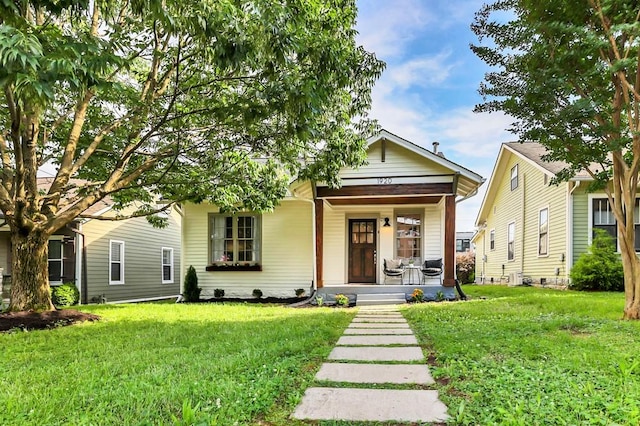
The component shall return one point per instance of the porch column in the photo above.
(450, 241)
(319, 240)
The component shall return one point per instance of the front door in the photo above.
(362, 250)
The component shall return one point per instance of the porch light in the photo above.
(386, 222)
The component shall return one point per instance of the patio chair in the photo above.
(432, 268)
(393, 268)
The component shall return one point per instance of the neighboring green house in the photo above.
(109, 261)
(531, 229)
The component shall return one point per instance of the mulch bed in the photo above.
(276, 300)
(30, 320)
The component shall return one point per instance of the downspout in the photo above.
(180, 212)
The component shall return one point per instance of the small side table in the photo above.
(411, 269)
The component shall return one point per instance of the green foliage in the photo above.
(218, 293)
(417, 295)
(215, 101)
(300, 292)
(191, 289)
(342, 300)
(319, 300)
(66, 294)
(131, 356)
(531, 356)
(257, 293)
(600, 268)
(465, 267)
(439, 296)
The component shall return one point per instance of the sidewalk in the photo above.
(378, 348)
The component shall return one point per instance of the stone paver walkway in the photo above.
(377, 348)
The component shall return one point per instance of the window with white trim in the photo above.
(409, 237)
(167, 265)
(514, 177)
(235, 238)
(492, 239)
(543, 232)
(56, 260)
(116, 262)
(511, 241)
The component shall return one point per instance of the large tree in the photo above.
(568, 72)
(218, 100)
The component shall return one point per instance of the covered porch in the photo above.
(400, 207)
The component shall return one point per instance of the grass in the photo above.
(156, 364)
(528, 356)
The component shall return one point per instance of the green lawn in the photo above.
(527, 356)
(144, 364)
(522, 356)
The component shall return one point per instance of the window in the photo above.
(463, 245)
(409, 236)
(235, 238)
(56, 264)
(116, 262)
(511, 244)
(543, 232)
(167, 265)
(514, 177)
(604, 219)
(492, 239)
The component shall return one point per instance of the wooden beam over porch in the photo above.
(386, 190)
(434, 199)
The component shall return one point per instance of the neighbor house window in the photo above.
(543, 232)
(56, 258)
(167, 265)
(604, 219)
(116, 262)
(511, 241)
(235, 238)
(409, 237)
(492, 239)
(514, 177)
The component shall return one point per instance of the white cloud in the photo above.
(422, 71)
(387, 27)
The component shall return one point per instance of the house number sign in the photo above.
(385, 181)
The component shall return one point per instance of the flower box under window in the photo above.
(234, 267)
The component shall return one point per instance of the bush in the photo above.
(257, 293)
(66, 294)
(300, 292)
(600, 268)
(417, 295)
(218, 293)
(191, 289)
(465, 267)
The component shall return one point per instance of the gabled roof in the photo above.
(468, 181)
(97, 209)
(530, 152)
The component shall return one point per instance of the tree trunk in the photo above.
(631, 266)
(29, 275)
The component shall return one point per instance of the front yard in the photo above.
(527, 356)
(521, 356)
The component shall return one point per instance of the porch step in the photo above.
(380, 299)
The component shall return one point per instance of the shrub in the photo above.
(300, 292)
(465, 267)
(342, 300)
(191, 289)
(417, 295)
(218, 293)
(257, 293)
(319, 300)
(66, 294)
(600, 268)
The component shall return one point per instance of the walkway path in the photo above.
(379, 351)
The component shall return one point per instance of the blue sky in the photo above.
(430, 86)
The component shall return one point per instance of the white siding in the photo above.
(287, 252)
